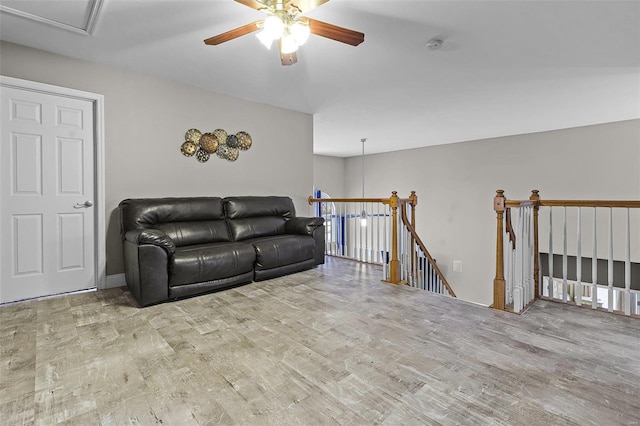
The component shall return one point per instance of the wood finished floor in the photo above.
(332, 345)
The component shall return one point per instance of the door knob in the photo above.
(83, 205)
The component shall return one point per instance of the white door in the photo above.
(46, 194)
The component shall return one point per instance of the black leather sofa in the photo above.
(179, 247)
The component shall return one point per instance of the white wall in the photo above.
(456, 184)
(146, 119)
(328, 175)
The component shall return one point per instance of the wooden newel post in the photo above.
(535, 196)
(498, 282)
(394, 265)
(414, 202)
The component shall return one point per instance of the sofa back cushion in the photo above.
(253, 217)
(187, 221)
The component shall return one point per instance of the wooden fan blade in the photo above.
(286, 58)
(254, 4)
(235, 33)
(303, 6)
(334, 32)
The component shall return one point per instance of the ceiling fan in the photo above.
(286, 25)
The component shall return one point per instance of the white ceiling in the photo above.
(507, 67)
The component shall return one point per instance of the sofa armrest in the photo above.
(153, 237)
(303, 225)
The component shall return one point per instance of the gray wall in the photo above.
(145, 122)
(456, 184)
(146, 119)
(328, 175)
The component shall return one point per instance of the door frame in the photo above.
(97, 100)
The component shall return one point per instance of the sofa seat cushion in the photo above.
(207, 262)
(279, 250)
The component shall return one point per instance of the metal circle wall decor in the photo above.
(244, 140)
(221, 135)
(232, 141)
(232, 154)
(209, 142)
(225, 145)
(193, 135)
(202, 155)
(223, 151)
(188, 148)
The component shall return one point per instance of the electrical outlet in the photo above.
(457, 266)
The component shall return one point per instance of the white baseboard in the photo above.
(115, 280)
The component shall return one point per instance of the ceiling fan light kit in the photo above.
(272, 29)
(286, 26)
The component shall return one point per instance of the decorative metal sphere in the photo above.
(223, 151)
(193, 135)
(233, 154)
(221, 135)
(202, 155)
(232, 141)
(188, 148)
(209, 142)
(244, 140)
(228, 153)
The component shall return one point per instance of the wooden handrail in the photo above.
(519, 203)
(417, 239)
(509, 228)
(631, 204)
(354, 200)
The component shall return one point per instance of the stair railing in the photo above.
(571, 276)
(372, 230)
(419, 268)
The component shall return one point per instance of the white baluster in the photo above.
(525, 256)
(377, 245)
(550, 282)
(359, 230)
(578, 289)
(594, 263)
(369, 231)
(517, 289)
(403, 263)
(610, 262)
(627, 268)
(509, 258)
(339, 230)
(565, 286)
(407, 255)
(521, 246)
(532, 282)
